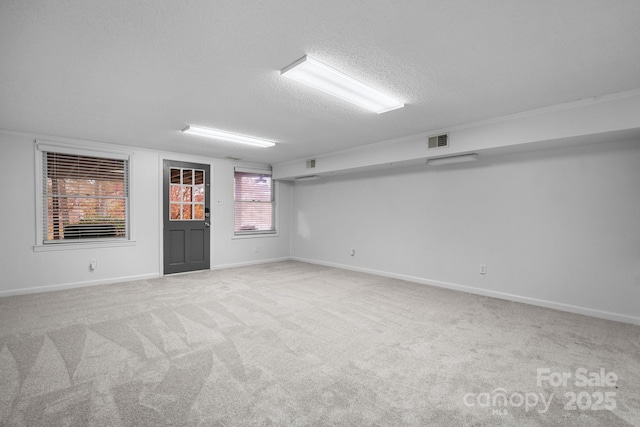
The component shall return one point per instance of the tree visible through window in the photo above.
(84, 197)
(254, 202)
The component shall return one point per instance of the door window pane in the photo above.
(198, 193)
(174, 212)
(198, 211)
(186, 193)
(175, 176)
(186, 211)
(187, 176)
(174, 193)
(199, 180)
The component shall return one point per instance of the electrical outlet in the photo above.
(256, 249)
(353, 252)
(93, 264)
(483, 269)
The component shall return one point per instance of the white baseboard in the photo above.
(248, 263)
(49, 288)
(59, 287)
(484, 292)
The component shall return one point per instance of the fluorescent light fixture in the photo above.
(322, 77)
(227, 136)
(452, 159)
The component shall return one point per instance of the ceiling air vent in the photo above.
(439, 141)
(311, 164)
(307, 178)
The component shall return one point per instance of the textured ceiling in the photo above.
(136, 72)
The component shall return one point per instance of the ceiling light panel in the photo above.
(322, 77)
(227, 136)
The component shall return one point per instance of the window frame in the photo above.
(96, 150)
(274, 200)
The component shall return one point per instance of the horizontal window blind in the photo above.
(84, 197)
(254, 202)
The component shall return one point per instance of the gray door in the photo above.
(186, 189)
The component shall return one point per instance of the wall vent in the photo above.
(439, 141)
(311, 164)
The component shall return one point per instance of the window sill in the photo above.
(254, 235)
(84, 245)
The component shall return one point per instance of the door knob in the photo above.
(206, 224)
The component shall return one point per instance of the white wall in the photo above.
(24, 270)
(559, 228)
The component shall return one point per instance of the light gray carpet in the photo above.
(290, 343)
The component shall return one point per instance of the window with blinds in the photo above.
(254, 202)
(84, 197)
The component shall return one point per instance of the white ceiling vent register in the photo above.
(307, 178)
(439, 141)
(462, 158)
